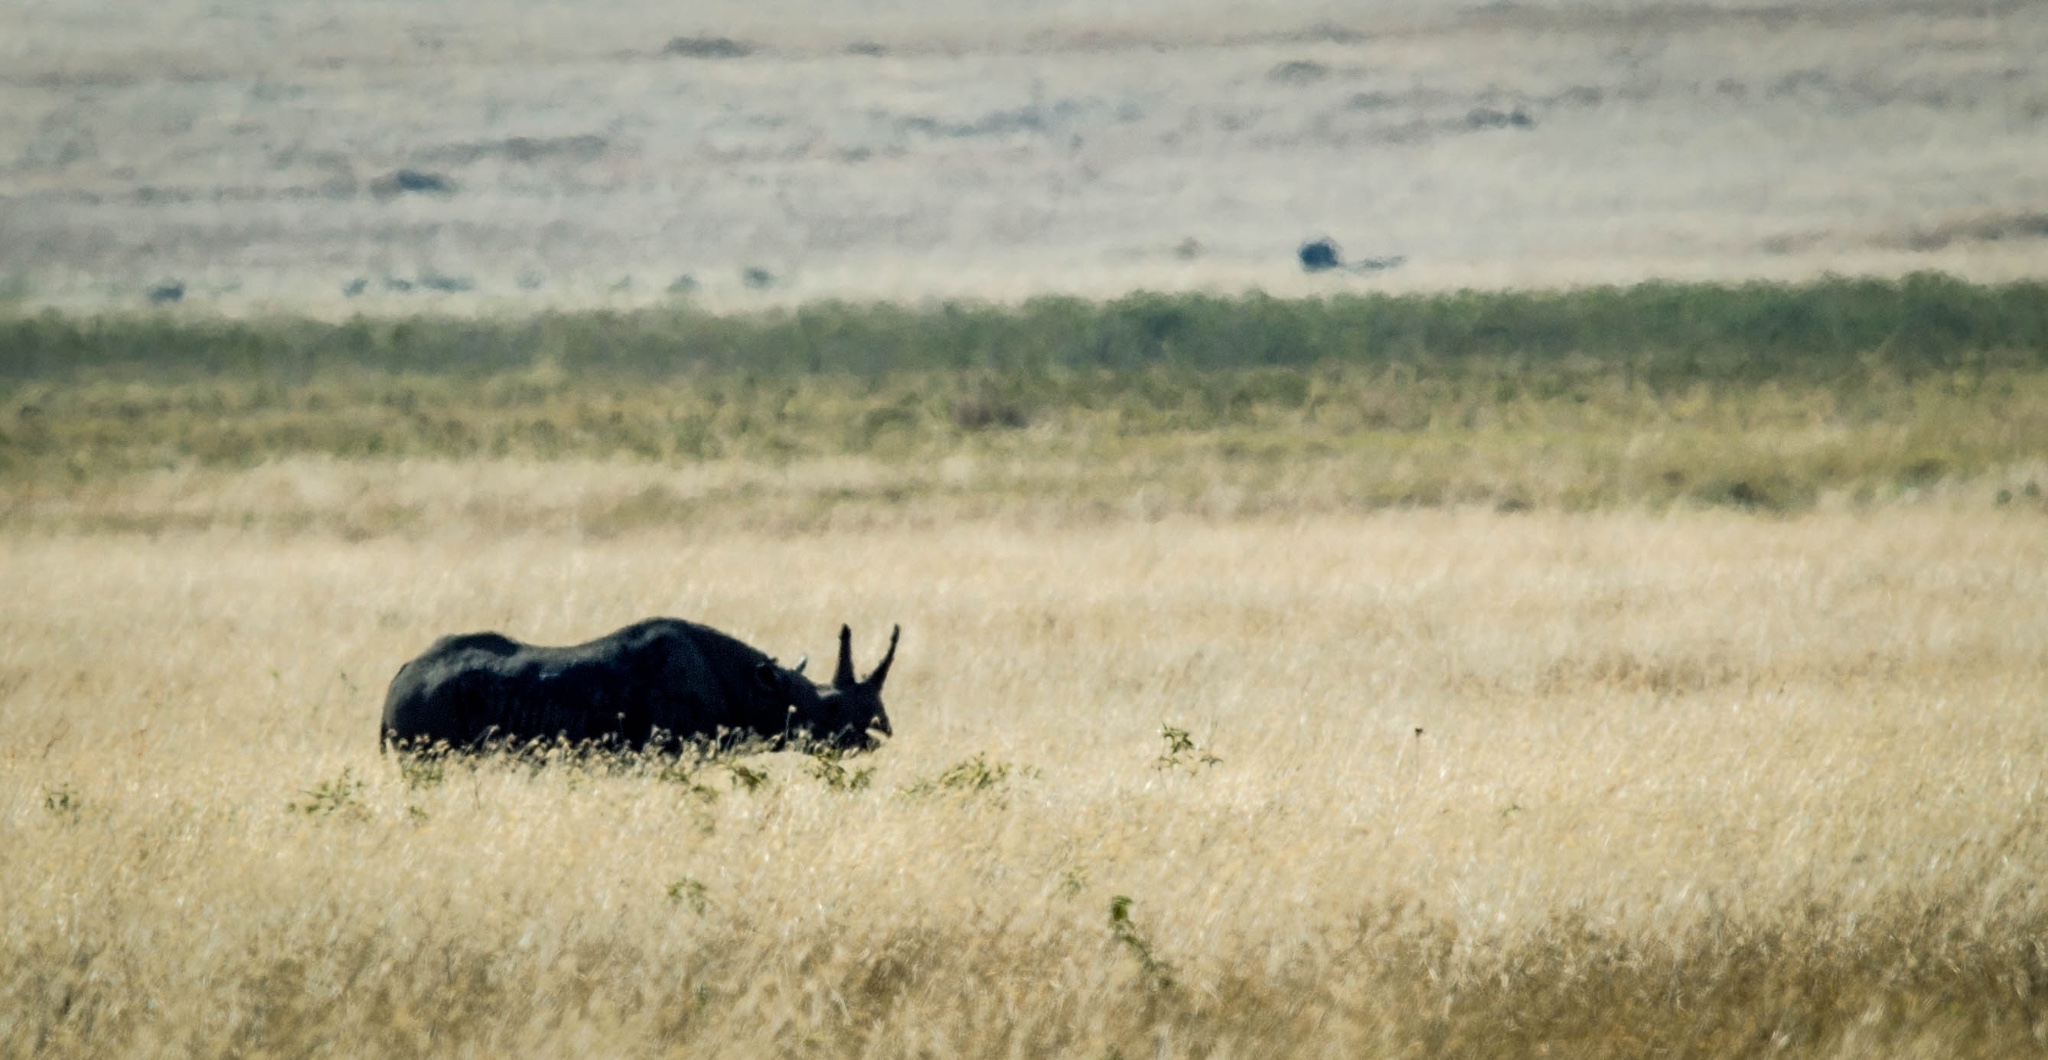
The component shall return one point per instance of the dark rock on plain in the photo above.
(1318, 255)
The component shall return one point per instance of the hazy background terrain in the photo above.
(248, 150)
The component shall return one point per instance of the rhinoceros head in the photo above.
(848, 715)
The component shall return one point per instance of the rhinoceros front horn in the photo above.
(801, 660)
(882, 671)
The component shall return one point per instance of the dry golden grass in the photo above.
(1593, 785)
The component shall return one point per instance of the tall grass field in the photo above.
(1408, 783)
(1650, 671)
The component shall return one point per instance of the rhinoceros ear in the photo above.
(801, 661)
(842, 675)
(881, 673)
(766, 677)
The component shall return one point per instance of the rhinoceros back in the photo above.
(658, 676)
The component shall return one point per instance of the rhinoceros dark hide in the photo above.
(658, 684)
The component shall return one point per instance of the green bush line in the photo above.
(1577, 436)
(1664, 334)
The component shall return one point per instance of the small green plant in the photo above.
(682, 772)
(340, 797)
(826, 765)
(689, 892)
(63, 801)
(971, 776)
(744, 777)
(1157, 974)
(1181, 751)
(1073, 881)
(422, 772)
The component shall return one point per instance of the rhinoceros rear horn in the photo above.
(842, 676)
(882, 671)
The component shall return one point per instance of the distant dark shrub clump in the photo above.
(1298, 72)
(1488, 118)
(708, 48)
(412, 181)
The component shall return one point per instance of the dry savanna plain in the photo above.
(1369, 667)
(1415, 783)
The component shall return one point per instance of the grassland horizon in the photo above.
(1763, 397)
(1669, 334)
